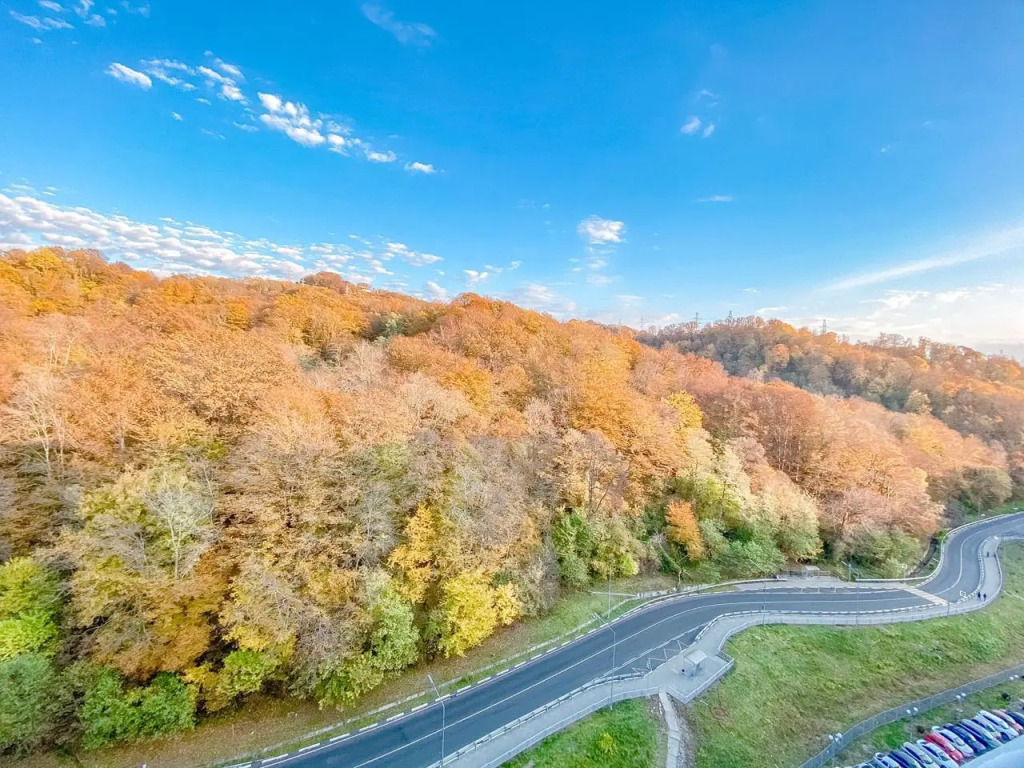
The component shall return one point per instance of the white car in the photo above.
(938, 755)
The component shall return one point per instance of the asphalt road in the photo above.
(415, 741)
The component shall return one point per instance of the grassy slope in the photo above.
(265, 720)
(791, 685)
(635, 735)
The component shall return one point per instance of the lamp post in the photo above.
(444, 714)
(615, 640)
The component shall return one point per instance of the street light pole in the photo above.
(444, 714)
(615, 641)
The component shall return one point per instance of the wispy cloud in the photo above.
(177, 116)
(40, 24)
(691, 126)
(407, 33)
(544, 298)
(715, 199)
(598, 231)
(474, 276)
(171, 246)
(130, 76)
(997, 244)
(435, 292)
(418, 167)
(709, 129)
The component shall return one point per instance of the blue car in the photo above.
(991, 730)
(973, 742)
(884, 761)
(982, 734)
(904, 758)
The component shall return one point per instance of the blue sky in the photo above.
(861, 162)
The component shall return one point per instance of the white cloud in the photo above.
(291, 119)
(177, 117)
(474, 276)
(40, 24)
(380, 157)
(181, 247)
(598, 279)
(996, 244)
(271, 102)
(983, 316)
(691, 126)
(435, 291)
(51, 6)
(231, 70)
(715, 199)
(418, 167)
(544, 298)
(598, 231)
(708, 130)
(130, 76)
(409, 256)
(406, 33)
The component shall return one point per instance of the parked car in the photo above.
(1018, 717)
(978, 745)
(923, 757)
(1005, 717)
(942, 758)
(981, 725)
(903, 760)
(884, 761)
(1006, 732)
(951, 742)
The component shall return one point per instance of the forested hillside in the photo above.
(214, 487)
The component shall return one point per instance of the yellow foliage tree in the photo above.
(415, 558)
(690, 416)
(682, 529)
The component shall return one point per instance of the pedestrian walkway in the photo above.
(675, 731)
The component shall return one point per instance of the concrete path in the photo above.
(675, 731)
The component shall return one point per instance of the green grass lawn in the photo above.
(625, 735)
(893, 735)
(792, 685)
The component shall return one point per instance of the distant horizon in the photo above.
(1017, 354)
(858, 163)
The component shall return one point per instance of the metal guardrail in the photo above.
(909, 709)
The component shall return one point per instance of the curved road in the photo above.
(414, 741)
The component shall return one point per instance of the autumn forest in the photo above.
(211, 488)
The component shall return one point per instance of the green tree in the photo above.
(32, 702)
(111, 712)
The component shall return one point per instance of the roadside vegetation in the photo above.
(793, 685)
(625, 735)
(213, 491)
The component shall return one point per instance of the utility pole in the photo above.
(444, 714)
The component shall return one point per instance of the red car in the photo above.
(946, 746)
